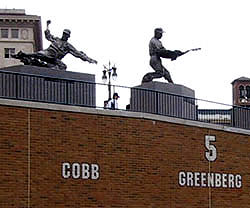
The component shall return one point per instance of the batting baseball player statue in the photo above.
(156, 52)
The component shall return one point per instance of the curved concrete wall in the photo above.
(66, 156)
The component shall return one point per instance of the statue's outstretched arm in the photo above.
(81, 55)
(161, 51)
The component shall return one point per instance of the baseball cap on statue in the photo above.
(66, 31)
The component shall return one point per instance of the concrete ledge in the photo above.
(49, 73)
(119, 113)
(175, 89)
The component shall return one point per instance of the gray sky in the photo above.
(120, 31)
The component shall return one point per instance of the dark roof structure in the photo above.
(241, 79)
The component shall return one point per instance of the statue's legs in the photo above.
(160, 71)
(166, 75)
(60, 65)
(41, 58)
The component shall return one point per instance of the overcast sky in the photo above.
(120, 31)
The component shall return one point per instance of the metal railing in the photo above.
(190, 108)
(30, 87)
(39, 88)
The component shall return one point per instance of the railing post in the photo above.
(16, 80)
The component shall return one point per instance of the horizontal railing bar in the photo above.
(75, 92)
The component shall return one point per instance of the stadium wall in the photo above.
(67, 156)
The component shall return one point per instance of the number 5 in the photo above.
(211, 153)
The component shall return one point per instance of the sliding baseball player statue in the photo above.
(51, 57)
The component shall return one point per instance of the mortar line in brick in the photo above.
(209, 170)
(28, 158)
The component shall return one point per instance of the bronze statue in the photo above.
(156, 51)
(51, 57)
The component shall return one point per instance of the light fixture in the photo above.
(104, 76)
(114, 75)
(107, 77)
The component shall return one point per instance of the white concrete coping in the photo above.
(120, 113)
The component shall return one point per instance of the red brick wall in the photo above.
(139, 161)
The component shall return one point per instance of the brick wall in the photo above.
(139, 161)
